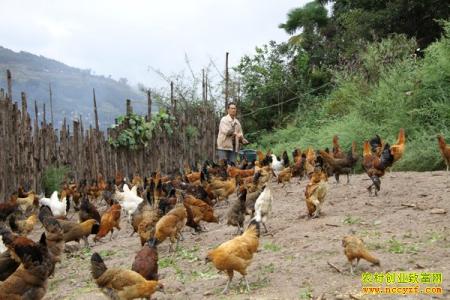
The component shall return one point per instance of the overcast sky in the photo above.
(125, 38)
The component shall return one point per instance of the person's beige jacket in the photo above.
(227, 127)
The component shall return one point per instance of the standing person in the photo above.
(230, 135)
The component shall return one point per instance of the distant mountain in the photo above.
(71, 89)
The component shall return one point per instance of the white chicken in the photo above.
(263, 206)
(128, 199)
(2, 246)
(277, 165)
(58, 207)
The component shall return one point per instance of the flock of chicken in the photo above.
(159, 207)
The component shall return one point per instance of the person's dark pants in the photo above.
(229, 155)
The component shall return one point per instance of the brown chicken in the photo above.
(146, 228)
(354, 248)
(29, 281)
(120, 283)
(170, 226)
(284, 176)
(217, 188)
(8, 207)
(146, 261)
(337, 151)
(55, 240)
(82, 231)
(200, 211)
(28, 203)
(236, 254)
(398, 148)
(315, 192)
(234, 171)
(22, 226)
(7, 265)
(141, 213)
(375, 166)
(88, 211)
(342, 165)
(298, 168)
(310, 162)
(445, 150)
(110, 219)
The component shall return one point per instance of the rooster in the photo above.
(342, 165)
(398, 148)
(445, 150)
(375, 166)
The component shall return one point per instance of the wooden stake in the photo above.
(226, 82)
(51, 102)
(95, 112)
(9, 82)
(149, 105)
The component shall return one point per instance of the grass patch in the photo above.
(305, 293)
(398, 247)
(349, 220)
(188, 254)
(270, 268)
(166, 262)
(107, 253)
(271, 247)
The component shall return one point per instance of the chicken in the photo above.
(88, 211)
(197, 191)
(146, 228)
(109, 220)
(398, 148)
(23, 226)
(236, 254)
(354, 248)
(234, 171)
(200, 210)
(7, 264)
(263, 205)
(8, 207)
(315, 192)
(337, 151)
(82, 231)
(129, 200)
(218, 189)
(343, 165)
(54, 235)
(28, 202)
(375, 166)
(236, 214)
(277, 164)
(30, 279)
(310, 162)
(445, 150)
(284, 176)
(140, 214)
(146, 261)
(120, 283)
(170, 226)
(59, 208)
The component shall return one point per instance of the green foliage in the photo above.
(52, 179)
(401, 92)
(137, 132)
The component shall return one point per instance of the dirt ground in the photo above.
(400, 227)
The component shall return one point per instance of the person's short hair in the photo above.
(231, 103)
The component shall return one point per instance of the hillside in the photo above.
(71, 87)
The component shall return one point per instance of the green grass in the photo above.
(410, 94)
(398, 247)
(349, 220)
(271, 247)
(305, 293)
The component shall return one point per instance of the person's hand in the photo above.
(245, 142)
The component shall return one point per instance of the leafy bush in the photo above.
(137, 132)
(401, 92)
(53, 178)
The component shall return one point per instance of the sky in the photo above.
(131, 38)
